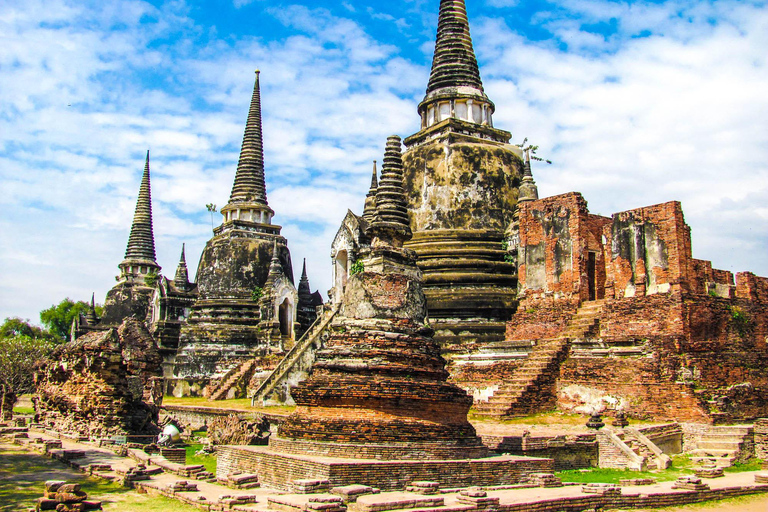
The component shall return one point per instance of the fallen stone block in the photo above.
(46, 504)
(544, 480)
(53, 485)
(350, 493)
(637, 481)
(708, 472)
(423, 487)
(601, 489)
(692, 483)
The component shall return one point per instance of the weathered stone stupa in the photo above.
(377, 408)
(233, 270)
(139, 270)
(461, 180)
(170, 305)
(379, 386)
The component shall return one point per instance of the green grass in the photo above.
(23, 410)
(740, 503)
(239, 404)
(548, 418)
(22, 482)
(750, 465)
(209, 461)
(681, 465)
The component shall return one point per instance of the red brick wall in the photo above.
(751, 287)
(648, 251)
(537, 319)
(556, 235)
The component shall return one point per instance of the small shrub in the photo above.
(357, 267)
(257, 293)
(741, 321)
(151, 279)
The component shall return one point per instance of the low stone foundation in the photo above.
(568, 451)
(278, 470)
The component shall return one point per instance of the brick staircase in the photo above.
(725, 445)
(294, 367)
(532, 387)
(235, 379)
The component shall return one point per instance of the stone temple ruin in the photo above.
(457, 291)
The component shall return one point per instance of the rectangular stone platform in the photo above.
(278, 470)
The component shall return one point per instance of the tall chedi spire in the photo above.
(248, 200)
(247, 300)
(462, 177)
(140, 253)
(455, 90)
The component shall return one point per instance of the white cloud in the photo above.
(629, 121)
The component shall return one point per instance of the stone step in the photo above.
(736, 430)
(707, 444)
(720, 462)
(713, 452)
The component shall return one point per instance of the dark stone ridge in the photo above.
(454, 63)
(249, 183)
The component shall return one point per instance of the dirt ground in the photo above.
(746, 504)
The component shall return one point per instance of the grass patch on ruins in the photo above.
(22, 482)
(681, 465)
(751, 465)
(194, 446)
(544, 418)
(239, 404)
(23, 410)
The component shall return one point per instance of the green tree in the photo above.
(58, 318)
(15, 326)
(19, 355)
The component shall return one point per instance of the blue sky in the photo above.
(636, 103)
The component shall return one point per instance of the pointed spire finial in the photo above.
(528, 191)
(374, 180)
(369, 210)
(249, 183)
(91, 318)
(181, 279)
(304, 282)
(454, 63)
(391, 216)
(140, 251)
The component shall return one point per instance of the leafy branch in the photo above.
(211, 209)
(531, 150)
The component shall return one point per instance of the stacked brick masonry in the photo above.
(650, 251)
(578, 451)
(761, 439)
(688, 342)
(557, 234)
(752, 287)
(279, 470)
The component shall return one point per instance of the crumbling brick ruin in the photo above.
(104, 383)
(639, 318)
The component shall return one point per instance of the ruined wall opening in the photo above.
(592, 274)
(340, 269)
(285, 317)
